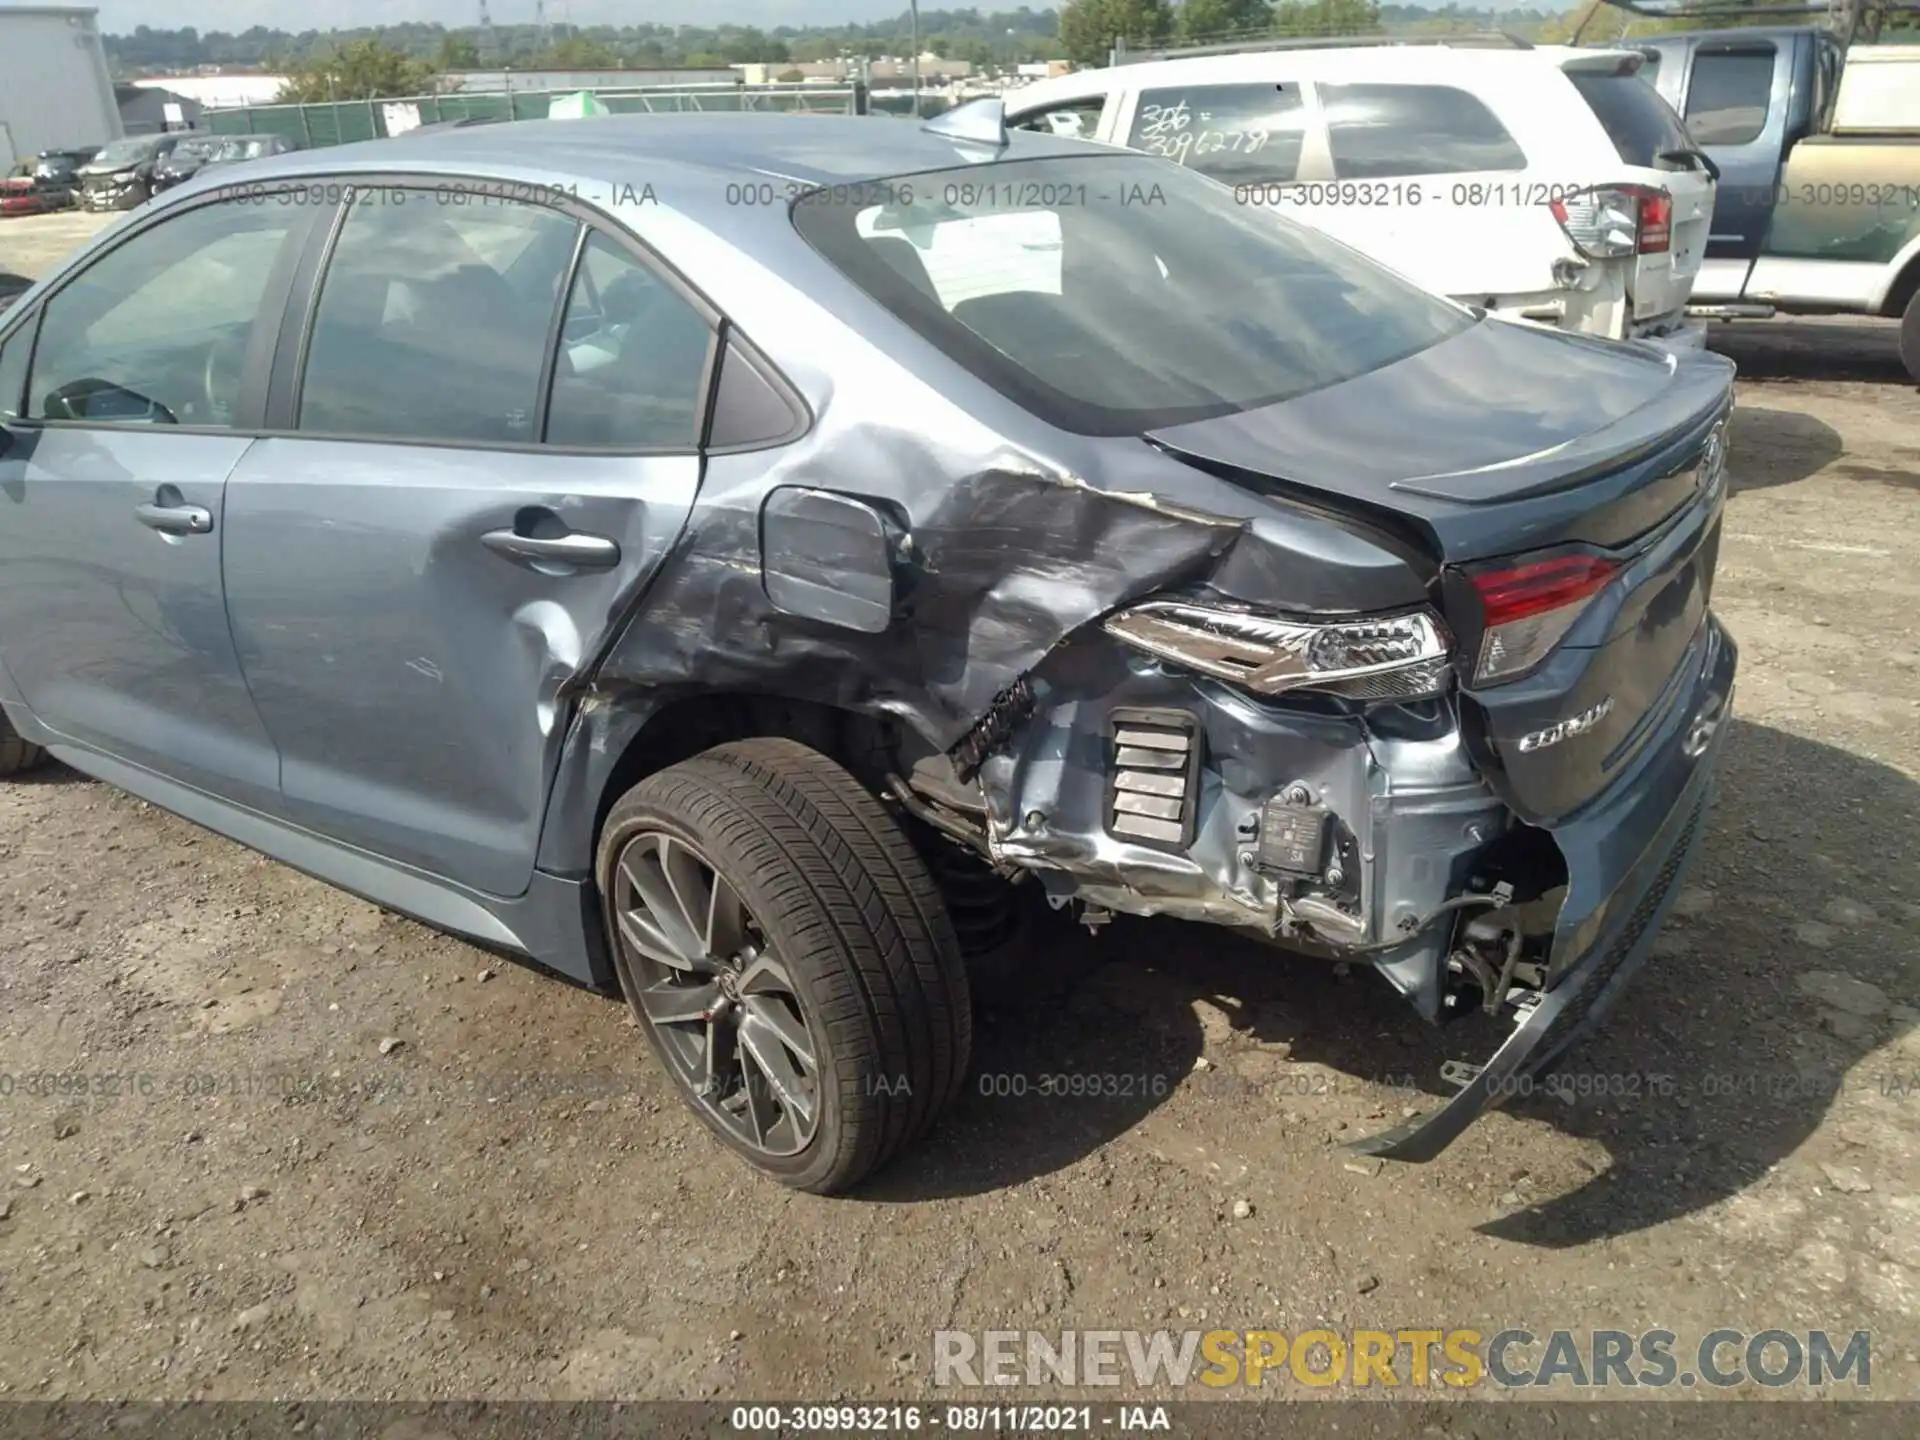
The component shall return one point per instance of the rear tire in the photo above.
(16, 755)
(840, 948)
(1910, 336)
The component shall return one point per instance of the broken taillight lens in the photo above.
(1610, 221)
(1528, 607)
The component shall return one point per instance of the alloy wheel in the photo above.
(721, 1002)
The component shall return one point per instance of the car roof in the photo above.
(622, 150)
(1329, 63)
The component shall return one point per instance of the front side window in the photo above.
(1379, 132)
(434, 319)
(1728, 96)
(632, 360)
(156, 330)
(1237, 134)
(1076, 119)
(1112, 293)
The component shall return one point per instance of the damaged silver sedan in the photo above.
(723, 558)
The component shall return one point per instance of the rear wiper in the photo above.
(1693, 160)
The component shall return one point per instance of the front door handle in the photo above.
(175, 519)
(555, 555)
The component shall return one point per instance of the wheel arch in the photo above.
(618, 740)
(1906, 282)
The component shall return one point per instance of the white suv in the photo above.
(1542, 183)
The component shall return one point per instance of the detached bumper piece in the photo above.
(1551, 1023)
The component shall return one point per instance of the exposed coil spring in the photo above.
(984, 907)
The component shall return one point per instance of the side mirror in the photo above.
(103, 400)
(828, 557)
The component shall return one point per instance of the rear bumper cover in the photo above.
(1669, 795)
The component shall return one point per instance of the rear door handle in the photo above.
(175, 519)
(558, 555)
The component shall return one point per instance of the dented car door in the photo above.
(492, 439)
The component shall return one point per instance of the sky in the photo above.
(120, 16)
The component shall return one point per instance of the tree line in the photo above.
(398, 60)
(1081, 30)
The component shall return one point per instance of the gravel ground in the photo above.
(349, 1157)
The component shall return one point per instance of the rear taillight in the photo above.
(1527, 609)
(1614, 220)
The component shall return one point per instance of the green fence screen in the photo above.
(345, 121)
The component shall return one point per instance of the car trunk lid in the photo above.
(1511, 446)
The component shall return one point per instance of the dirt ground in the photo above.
(279, 1202)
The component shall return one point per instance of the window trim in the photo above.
(28, 329)
(249, 408)
(296, 332)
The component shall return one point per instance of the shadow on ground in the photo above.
(1863, 350)
(1752, 1059)
(1793, 445)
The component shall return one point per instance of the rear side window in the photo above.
(1235, 133)
(1641, 125)
(632, 359)
(1385, 131)
(1728, 96)
(434, 320)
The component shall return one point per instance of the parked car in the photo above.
(185, 160)
(121, 176)
(46, 182)
(1538, 183)
(717, 602)
(1819, 150)
(239, 149)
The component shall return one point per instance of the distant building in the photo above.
(218, 91)
(148, 109)
(1044, 69)
(55, 90)
(498, 81)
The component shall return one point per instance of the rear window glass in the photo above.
(1115, 294)
(1382, 131)
(1641, 125)
(1235, 133)
(1728, 95)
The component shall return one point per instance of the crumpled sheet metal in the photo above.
(1003, 565)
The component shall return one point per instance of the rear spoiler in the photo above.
(1605, 62)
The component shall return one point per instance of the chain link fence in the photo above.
(345, 121)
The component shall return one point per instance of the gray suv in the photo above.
(733, 560)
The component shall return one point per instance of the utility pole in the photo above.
(485, 49)
(541, 26)
(913, 9)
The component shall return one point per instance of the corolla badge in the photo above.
(1566, 729)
